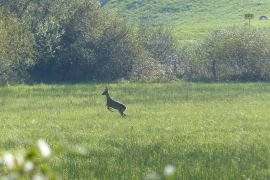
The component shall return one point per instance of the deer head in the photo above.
(106, 91)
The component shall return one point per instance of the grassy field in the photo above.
(191, 19)
(205, 130)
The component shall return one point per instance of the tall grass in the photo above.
(205, 130)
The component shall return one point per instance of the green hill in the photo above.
(193, 18)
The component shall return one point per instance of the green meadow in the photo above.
(204, 130)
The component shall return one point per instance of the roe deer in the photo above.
(114, 104)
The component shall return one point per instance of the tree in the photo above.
(16, 53)
(97, 46)
(77, 40)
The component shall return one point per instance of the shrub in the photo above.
(151, 70)
(234, 54)
(92, 44)
(44, 21)
(16, 53)
(163, 62)
(97, 46)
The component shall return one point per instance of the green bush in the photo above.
(151, 70)
(163, 62)
(77, 40)
(234, 54)
(44, 20)
(96, 46)
(16, 53)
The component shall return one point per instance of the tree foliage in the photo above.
(232, 54)
(96, 46)
(77, 40)
(16, 52)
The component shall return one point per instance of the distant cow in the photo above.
(103, 2)
(263, 18)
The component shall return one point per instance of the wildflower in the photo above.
(44, 148)
(39, 176)
(9, 161)
(29, 166)
(81, 150)
(169, 170)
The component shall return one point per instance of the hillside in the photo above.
(192, 18)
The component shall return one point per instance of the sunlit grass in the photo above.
(192, 19)
(203, 130)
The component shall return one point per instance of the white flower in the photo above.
(44, 148)
(39, 176)
(9, 161)
(169, 170)
(29, 166)
(81, 150)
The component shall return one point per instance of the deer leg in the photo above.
(109, 108)
(122, 113)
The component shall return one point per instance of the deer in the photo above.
(114, 104)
